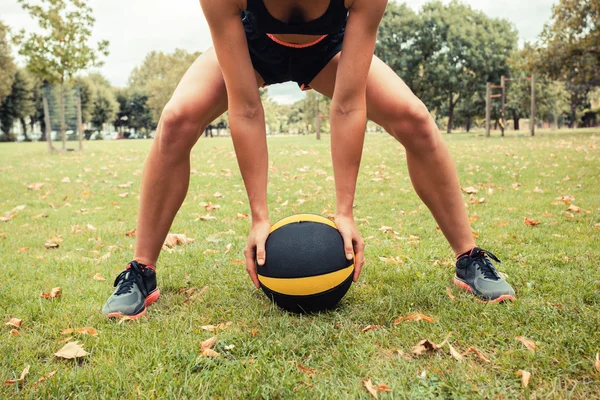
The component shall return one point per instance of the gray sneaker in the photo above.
(476, 274)
(135, 290)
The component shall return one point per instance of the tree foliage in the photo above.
(7, 65)
(18, 104)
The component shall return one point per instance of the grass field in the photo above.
(267, 353)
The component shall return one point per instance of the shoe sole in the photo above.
(465, 286)
(152, 298)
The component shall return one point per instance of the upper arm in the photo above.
(357, 51)
(229, 40)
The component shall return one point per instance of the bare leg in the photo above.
(391, 104)
(199, 99)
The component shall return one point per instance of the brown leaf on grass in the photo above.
(131, 233)
(402, 354)
(449, 292)
(51, 245)
(525, 376)
(125, 185)
(38, 216)
(305, 369)
(530, 344)
(210, 251)
(470, 190)
(14, 332)
(597, 363)
(35, 186)
(175, 239)
(84, 331)
(65, 339)
(383, 388)
(193, 295)
(91, 227)
(98, 277)
(238, 261)
(8, 217)
(531, 222)
(242, 216)
(414, 317)
(54, 293)
(71, 350)
(477, 352)
(370, 328)
(214, 328)
(123, 195)
(254, 332)
(210, 353)
(425, 346)
(20, 380)
(370, 388)
(44, 377)
(386, 229)
(208, 343)
(16, 322)
(459, 357)
(217, 195)
(22, 249)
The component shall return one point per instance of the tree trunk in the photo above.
(468, 126)
(47, 125)
(451, 105)
(573, 122)
(516, 122)
(24, 126)
(63, 129)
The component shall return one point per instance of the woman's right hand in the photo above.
(255, 248)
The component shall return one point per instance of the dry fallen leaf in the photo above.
(71, 350)
(449, 292)
(214, 328)
(531, 222)
(131, 233)
(477, 352)
(91, 227)
(370, 388)
(14, 332)
(425, 346)
(242, 216)
(530, 344)
(370, 328)
(20, 380)
(208, 343)
(414, 317)
(383, 388)
(84, 331)
(54, 293)
(175, 239)
(23, 249)
(50, 245)
(44, 377)
(35, 186)
(597, 363)
(16, 322)
(217, 195)
(459, 357)
(65, 339)
(470, 190)
(525, 376)
(98, 277)
(210, 353)
(305, 369)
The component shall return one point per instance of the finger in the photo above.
(359, 259)
(348, 248)
(251, 267)
(261, 254)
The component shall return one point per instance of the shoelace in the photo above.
(486, 267)
(127, 278)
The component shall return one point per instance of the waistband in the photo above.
(295, 45)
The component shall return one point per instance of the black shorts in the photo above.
(278, 62)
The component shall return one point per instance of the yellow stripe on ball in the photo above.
(309, 285)
(303, 218)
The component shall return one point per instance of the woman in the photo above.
(326, 45)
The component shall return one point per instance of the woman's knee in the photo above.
(178, 129)
(413, 126)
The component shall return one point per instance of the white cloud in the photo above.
(136, 27)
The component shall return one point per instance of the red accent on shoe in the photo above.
(501, 299)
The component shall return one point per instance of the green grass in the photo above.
(554, 268)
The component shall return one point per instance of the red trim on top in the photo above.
(295, 45)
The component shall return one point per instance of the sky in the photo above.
(136, 27)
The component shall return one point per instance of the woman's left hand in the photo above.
(354, 245)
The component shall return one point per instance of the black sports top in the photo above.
(332, 21)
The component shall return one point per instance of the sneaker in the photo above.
(135, 290)
(476, 274)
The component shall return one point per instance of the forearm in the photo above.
(250, 143)
(347, 138)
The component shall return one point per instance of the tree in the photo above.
(7, 65)
(159, 75)
(445, 53)
(569, 50)
(133, 111)
(17, 105)
(104, 107)
(62, 49)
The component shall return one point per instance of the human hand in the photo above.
(353, 242)
(255, 248)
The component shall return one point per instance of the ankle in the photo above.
(460, 254)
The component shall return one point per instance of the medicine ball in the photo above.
(306, 269)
